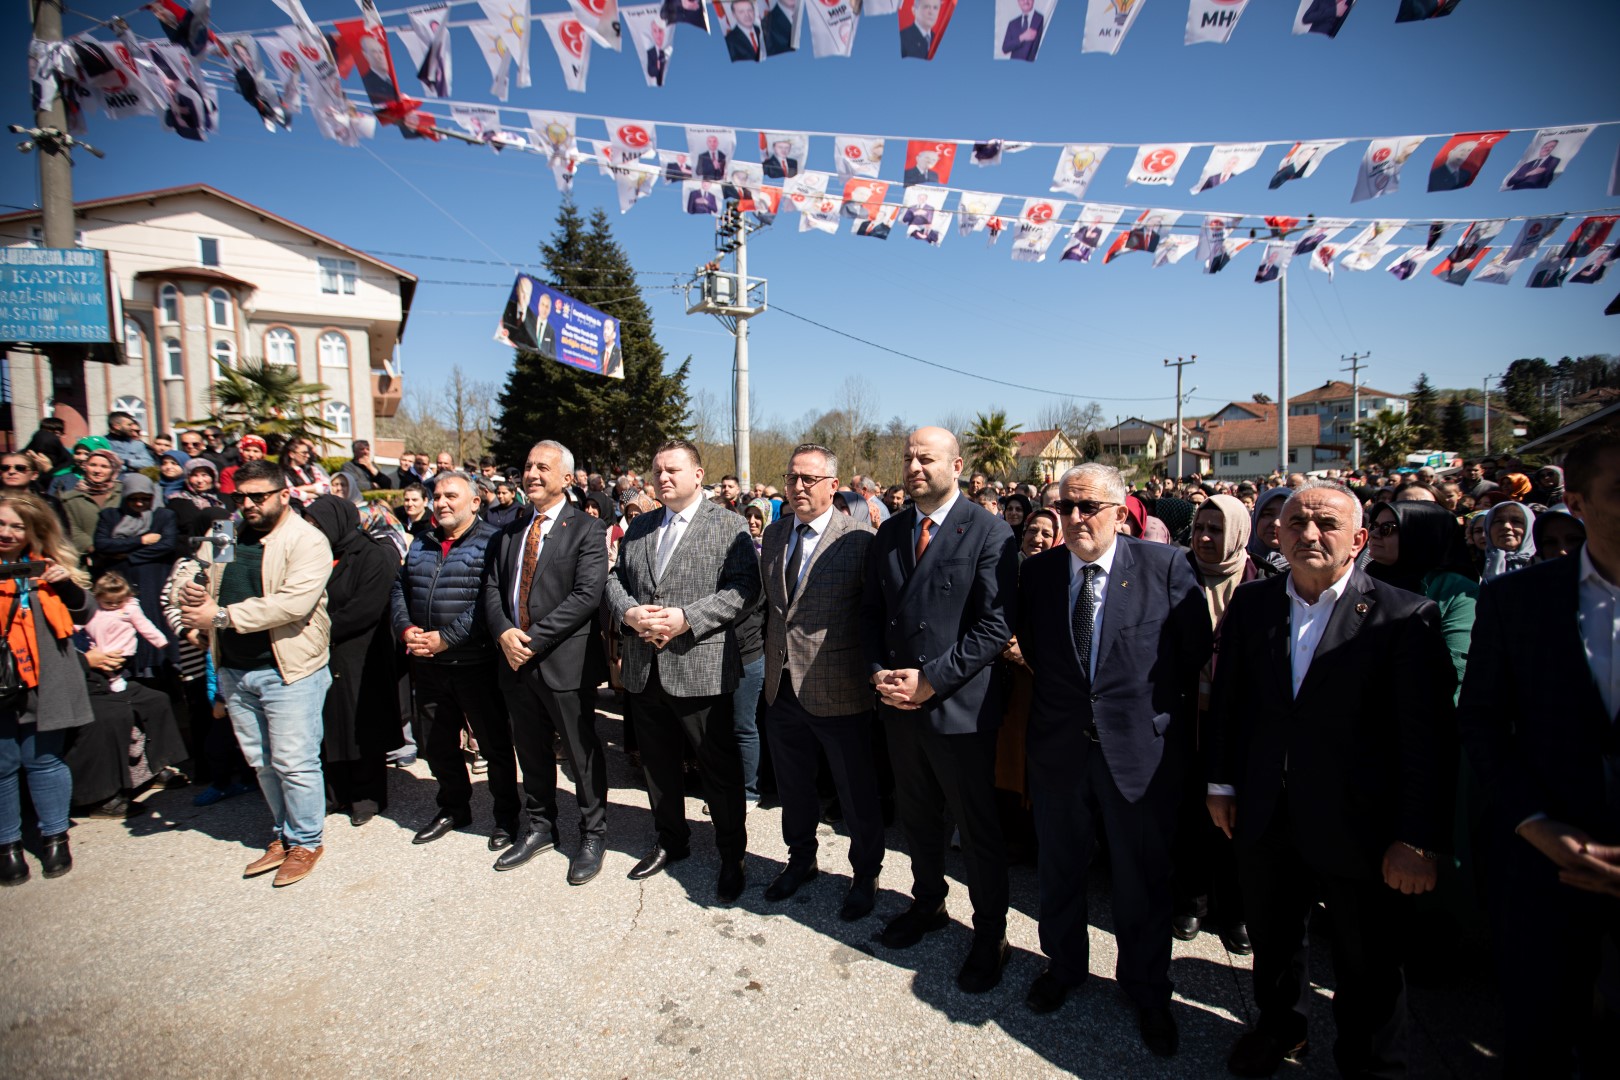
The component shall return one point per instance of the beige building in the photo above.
(204, 277)
(1047, 454)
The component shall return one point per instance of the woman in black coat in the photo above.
(358, 736)
(141, 541)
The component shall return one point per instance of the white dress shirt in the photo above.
(937, 517)
(810, 540)
(1599, 620)
(1099, 591)
(1306, 625)
(676, 521)
(544, 521)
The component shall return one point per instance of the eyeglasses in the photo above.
(16, 468)
(191, 445)
(1087, 507)
(792, 479)
(1385, 528)
(257, 498)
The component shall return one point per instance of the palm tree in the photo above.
(1386, 438)
(992, 444)
(260, 398)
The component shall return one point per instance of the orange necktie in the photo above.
(531, 562)
(922, 538)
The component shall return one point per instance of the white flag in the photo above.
(878, 225)
(1040, 211)
(1592, 270)
(1321, 232)
(601, 20)
(553, 133)
(1322, 258)
(820, 214)
(1614, 174)
(513, 18)
(479, 121)
(1213, 237)
(1019, 28)
(1371, 244)
(491, 40)
(1173, 249)
(1107, 23)
(974, 209)
(1551, 271)
(1301, 161)
(857, 155)
(1531, 235)
(1322, 17)
(108, 69)
(1500, 270)
(1156, 165)
(652, 40)
(832, 27)
(1213, 21)
(1381, 167)
(1031, 239)
(805, 189)
(1278, 254)
(1075, 168)
(631, 138)
(1226, 161)
(573, 47)
(635, 181)
(1476, 236)
(1147, 233)
(923, 216)
(1412, 260)
(1097, 220)
(700, 197)
(427, 39)
(1544, 159)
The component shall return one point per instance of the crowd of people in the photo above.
(1349, 690)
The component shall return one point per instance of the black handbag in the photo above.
(11, 682)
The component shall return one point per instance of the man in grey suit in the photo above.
(683, 581)
(816, 682)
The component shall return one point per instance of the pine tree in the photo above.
(607, 423)
(1422, 411)
(1454, 432)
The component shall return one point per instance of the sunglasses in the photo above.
(16, 468)
(256, 498)
(1087, 507)
(1385, 528)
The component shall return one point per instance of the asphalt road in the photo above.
(155, 958)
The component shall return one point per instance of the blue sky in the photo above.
(1092, 331)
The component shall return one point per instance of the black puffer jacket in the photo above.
(443, 593)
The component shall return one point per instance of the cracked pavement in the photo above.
(154, 957)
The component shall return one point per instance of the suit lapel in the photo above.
(1563, 647)
(907, 546)
(773, 560)
(837, 526)
(555, 537)
(1124, 605)
(1279, 638)
(1355, 605)
(941, 542)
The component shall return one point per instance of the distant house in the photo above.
(1241, 449)
(1137, 439)
(1046, 454)
(1332, 404)
(1504, 422)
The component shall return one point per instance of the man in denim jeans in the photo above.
(265, 610)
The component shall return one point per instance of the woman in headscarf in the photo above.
(171, 472)
(140, 541)
(66, 476)
(1205, 885)
(377, 520)
(1474, 542)
(196, 506)
(1265, 537)
(1177, 515)
(1515, 486)
(1042, 532)
(1015, 509)
(1557, 533)
(756, 524)
(362, 707)
(1548, 489)
(1510, 542)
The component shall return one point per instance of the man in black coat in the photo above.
(742, 40)
(1538, 718)
(1116, 632)
(938, 607)
(1332, 784)
(542, 589)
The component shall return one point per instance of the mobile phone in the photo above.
(11, 571)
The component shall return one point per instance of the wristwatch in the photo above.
(222, 618)
(1430, 856)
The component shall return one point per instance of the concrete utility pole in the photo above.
(1355, 362)
(1485, 442)
(1282, 373)
(731, 299)
(1180, 438)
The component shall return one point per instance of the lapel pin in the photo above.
(1361, 609)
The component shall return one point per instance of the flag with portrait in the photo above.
(1545, 158)
(1301, 161)
(1380, 173)
(922, 27)
(1274, 261)
(1019, 28)
(1460, 159)
(426, 37)
(1096, 221)
(1409, 263)
(1551, 270)
(1592, 270)
(929, 162)
(1325, 17)
(1226, 161)
(1151, 228)
(652, 40)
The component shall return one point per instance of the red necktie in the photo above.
(753, 37)
(922, 538)
(531, 561)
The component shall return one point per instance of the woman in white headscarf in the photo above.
(1510, 542)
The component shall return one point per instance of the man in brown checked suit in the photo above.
(816, 681)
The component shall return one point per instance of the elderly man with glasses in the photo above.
(264, 609)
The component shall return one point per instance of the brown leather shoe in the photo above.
(300, 861)
(273, 856)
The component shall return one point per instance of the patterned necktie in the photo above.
(922, 538)
(1080, 621)
(531, 561)
(796, 560)
(666, 544)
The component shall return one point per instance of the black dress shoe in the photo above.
(655, 860)
(1158, 1028)
(861, 900)
(443, 823)
(788, 881)
(533, 843)
(1047, 993)
(1259, 1053)
(907, 928)
(729, 885)
(500, 838)
(54, 857)
(1236, 940)
(362, 811)
(1184, 927)
(13, 864)
(588, 863)
(981, 971)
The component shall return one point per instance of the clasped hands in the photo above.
(1581, 863)
(656, 625)
(903, 688)
(197, 608)
(1404, 870)
(420, 642)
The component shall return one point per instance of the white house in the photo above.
(1332, 403)
(1244, 449)
(203, 277)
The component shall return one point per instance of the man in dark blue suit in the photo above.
(1023, 38)
(1116, 631)
(1539, 720)
(941, 583)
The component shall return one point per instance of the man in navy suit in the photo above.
(940, 590)
(1536, 173)
(1116, 631)
(711, 164)
(1538, 718)
(1023, 38)
(701, 200)
(742, 40)
(1332, 785)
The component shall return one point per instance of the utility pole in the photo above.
(1355, 362)
(1282, 374)
(1485, 444)
(1178, 365)
(731, 298)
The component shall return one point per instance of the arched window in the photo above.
(169, 303)
(280, 347)
(225, 351)
(133, 405)
(134, 344)
(174, 365)
(337, 414)
(219, 308)
(334, 349)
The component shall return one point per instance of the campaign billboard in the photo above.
(54, 295)
(558, 327)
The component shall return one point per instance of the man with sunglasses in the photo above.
(265, 613)
(1116, 631)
